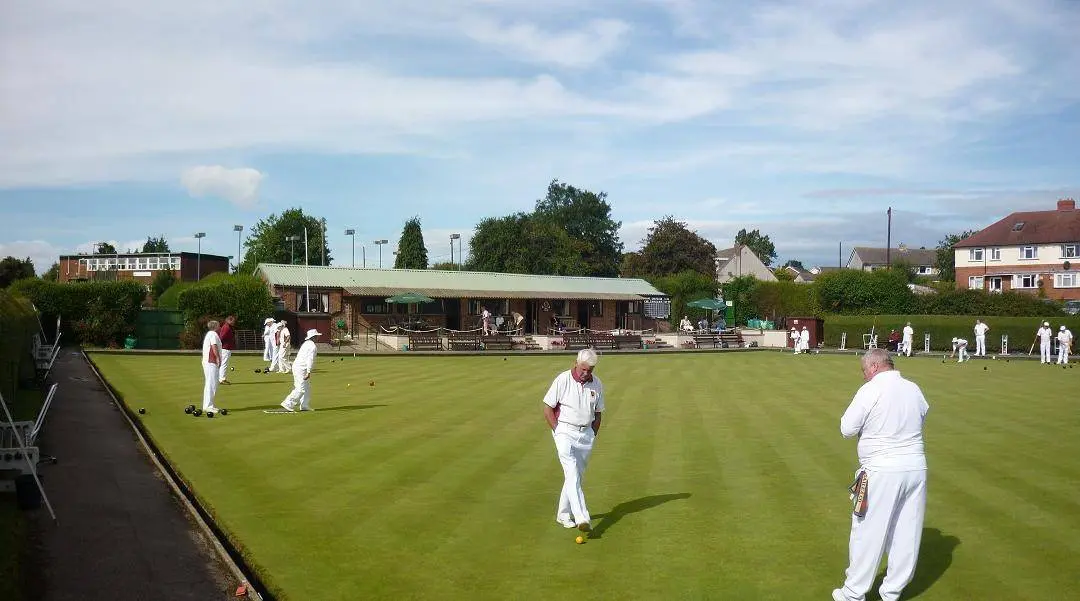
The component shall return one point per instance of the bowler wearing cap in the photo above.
(300, 397)
(573, 406)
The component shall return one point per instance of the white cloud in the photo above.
(239, 186)
(579, 48)
(42, 253)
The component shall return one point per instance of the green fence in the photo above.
(159, 329)
(942, 329)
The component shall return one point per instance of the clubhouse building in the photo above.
(522, 304)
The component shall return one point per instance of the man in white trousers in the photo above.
(268, 323)
(1044, 335)
(300, 397)
(795, 338)
(889, 493)
(804, 340)
(227, 334)
(980, 338)
(909, 338)
(959, 347)
(572, 407)
(1064, 338)
(211, 363)
(284, 346)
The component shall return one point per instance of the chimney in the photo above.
(1066, 204)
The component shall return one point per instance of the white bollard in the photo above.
(843, 341)
(1004, 344)
(926, 342)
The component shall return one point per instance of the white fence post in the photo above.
(1004, 344)
(926, 342)
(843, 341)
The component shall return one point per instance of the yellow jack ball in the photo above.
(580, 540)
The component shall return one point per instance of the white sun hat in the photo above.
(312, 333)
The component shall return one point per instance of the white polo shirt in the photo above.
(887, 414)
(211, 340)
(981, 328)
(578, 403)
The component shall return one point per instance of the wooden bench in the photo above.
(700, 340)
(498, 342)
(604, 342)
(576, 342)
(731, 339)
(425, 342)
(463, 341)
(627, 341)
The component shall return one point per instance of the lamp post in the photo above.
(238, 229)
(292, 248)
(198, 261)
(452, 238)
(352, 234)
(379, 243)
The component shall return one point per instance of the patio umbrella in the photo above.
(714, 304)
(409, 298)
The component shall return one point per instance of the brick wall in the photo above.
(1007, 284)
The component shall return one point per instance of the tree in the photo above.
(946, 256)
(411, 252)
(12, 269)
(797, 264)
(161, 282)
(630, 265)
(104, 248)
(670, 247)
(784, 274)
(268, 240)
(760, 244)
(445, 266)
(586, 217)
(155, 245)
(53, 274)
(684, 287)
(520, 243)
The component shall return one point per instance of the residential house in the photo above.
(1026, 252)
(802, 276)
(358, 296)
(141, 267)
(867, 258)
(738, 261)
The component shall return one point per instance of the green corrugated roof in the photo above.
(444, 284)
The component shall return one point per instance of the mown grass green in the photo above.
(715, 476)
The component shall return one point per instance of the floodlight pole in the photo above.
(238, 229)
(352, 234)
(198, 261)
(307, 275)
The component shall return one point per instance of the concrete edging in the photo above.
(229, 555)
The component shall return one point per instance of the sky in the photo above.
(806, 120)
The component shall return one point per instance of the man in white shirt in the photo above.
(1044, 335)
(1064, 339)
(795, 338)
(211, 363)
(804, 340)
(909, 337)
(980, 338)
(300, 397)
(959, 347)
(889, 493)
(268, 323)
(485, 318)
(572, 407)
(284, 346)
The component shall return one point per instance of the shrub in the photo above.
(855, 292)
(683, 288)
(162, 282)
(170, 299)
(942, 329)
(784, 299)
(18, 324)
(214, 298)
(100, 313)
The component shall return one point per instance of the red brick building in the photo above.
(544, 303)
(185, 266)
(1025, 252)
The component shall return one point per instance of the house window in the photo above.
(1070, 251)
(925, 270)
(374, 306)
(1065, 280)
(995, 285)
(142, 263)
(975, 254)
(975, 282)
(559, 307)
(152, 264)
(497, 306)
(596, 308)
(995, 254)
(1029, 252)
(1029, 280)
(320, 302)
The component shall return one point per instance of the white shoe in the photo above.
(285, 405)
(838, 595)
(566, 522)
(306, 409)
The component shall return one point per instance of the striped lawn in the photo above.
(715, 476)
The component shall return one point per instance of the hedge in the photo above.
(942, 329)
(99, 313)
(246, 296)
(18, 324)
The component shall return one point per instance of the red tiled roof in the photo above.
(1061, 225)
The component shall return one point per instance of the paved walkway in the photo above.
(121, 533)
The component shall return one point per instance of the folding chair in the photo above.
(19, 455)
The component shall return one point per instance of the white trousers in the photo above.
(210, 384)
(273, 353)
(905, 347)
(266, 348)
(281, 360)
(223, 371)
(962, 351)
(1044, 352)
(980, 346)
(573, 447)
(893, 526)
(1063, 354)
(300, 397)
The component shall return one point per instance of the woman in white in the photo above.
(211, 362)
(300, 397)
(284, 346)
(268, 349)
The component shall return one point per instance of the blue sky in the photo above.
(803, 119)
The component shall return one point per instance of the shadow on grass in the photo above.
(245, 383)
(609, 519)
(317, 409)
(935, 557)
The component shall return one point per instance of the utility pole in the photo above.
(888, 242)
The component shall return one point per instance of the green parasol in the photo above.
(409, 298)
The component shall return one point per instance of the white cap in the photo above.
(268, 320)
(312, 333)
(1046, 323)
(1062, 328)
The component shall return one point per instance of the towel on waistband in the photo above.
(859, 497)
